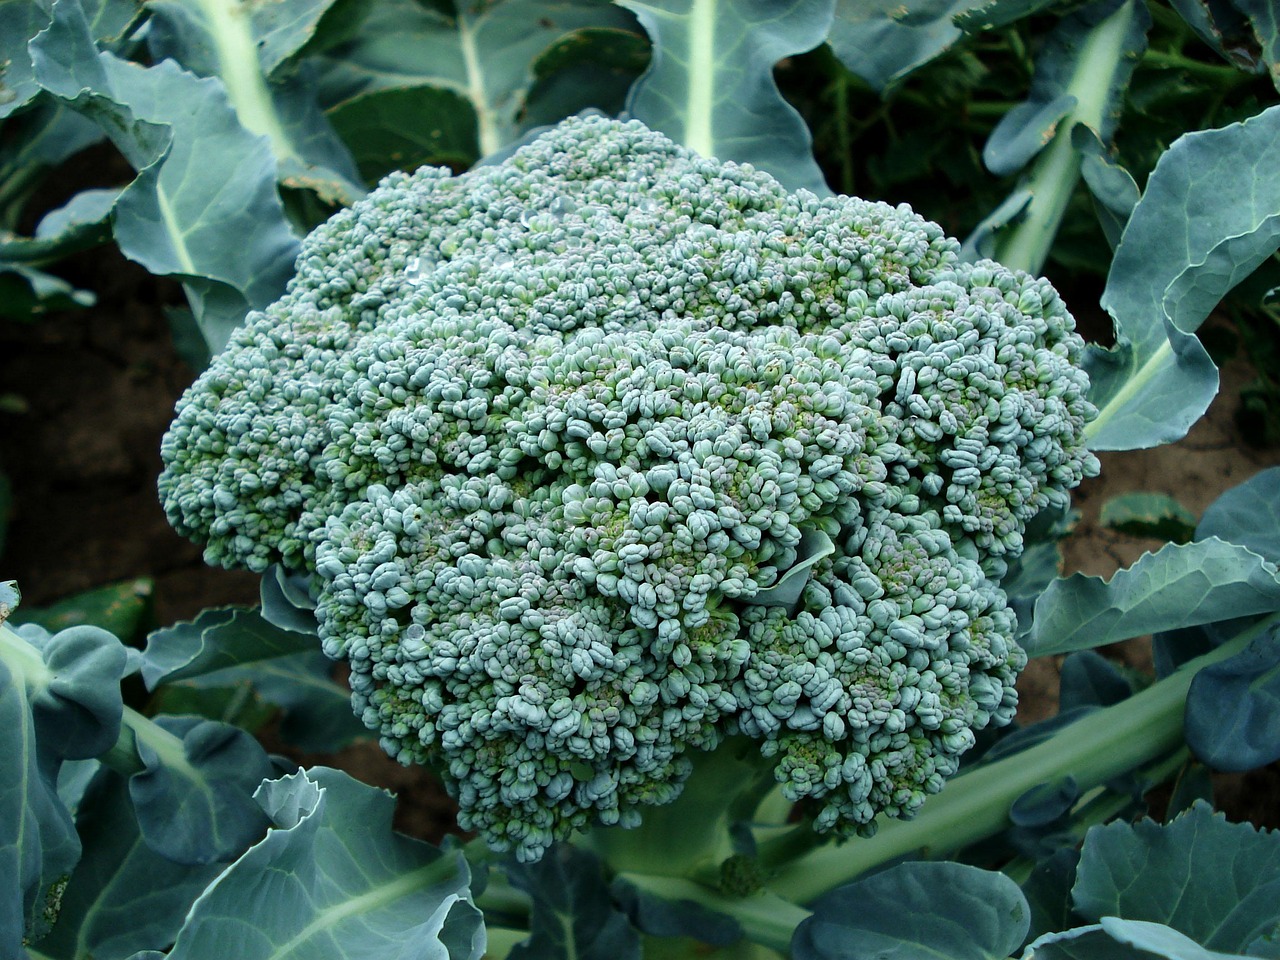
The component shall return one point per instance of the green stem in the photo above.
(1214, 73)
(1055, 172)
(690, 836)
(975, 805)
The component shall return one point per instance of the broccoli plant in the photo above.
(691, 522)
(607, 452)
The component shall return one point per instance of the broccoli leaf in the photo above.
(710, 83)
(972, 915)
(573, 914)
(1233, 708)
(211, 39)
(122, 896)
(204, 206)
(1209, 216)
(1179, 586)
(59, 700)
(194, 799)
(219, 638)
(883, 41)
(20, 20)
(332, 879)
(1247, 514)
(484, 54)
(1216, 882)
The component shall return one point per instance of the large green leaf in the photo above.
(484, 54)
(59, 700)
(194, 795)
(333, 880)
(1081, 76)
(204, 206)
(317, 708)
(218, 639)
(1182, 585)
(921, 910)
(1210, 214)
(573, 915)
(884, 40)
(710, 83)
(1117, 939)
(1079, 73)
(1233, 708)
(20, 20)
(1216, 882)
(213, 38)
(122, 896)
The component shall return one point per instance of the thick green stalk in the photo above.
(690, 836)
(1055, 172)
(975, 805)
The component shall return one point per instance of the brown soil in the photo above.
(98, 388)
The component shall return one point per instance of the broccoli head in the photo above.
(608, 451)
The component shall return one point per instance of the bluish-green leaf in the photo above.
(217, 40)
(1048, 892)
(218, 638)
(659, 917)
(59, 700)
(589, 69)
(981, 243)
(1090, 680)
(814, 546)
(122, 896)
(38, 842)
(1044, 803)
(404, 129)
(204, 206)
(26, 292)
(20, 20)
(710, 83)
(1247, 514)
(993, 14)
(1233, 708)
(1156, 515)
(1025, 130)
(1222, 26)
(1210, 214)
(1114, 191)
(483, 54)
(971, 914)
(1216, 882)
(333, 880)
(1076, 67)
(317, 709)
(1160, 940)
(573, 914)
(1180, 586)
(194, 800)
(1089, 942)
(286, 603)
(882, 41)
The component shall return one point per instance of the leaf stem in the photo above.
(1055, 172)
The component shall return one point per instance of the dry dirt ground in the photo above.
(88, 395)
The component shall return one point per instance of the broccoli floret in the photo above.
(545, 435)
